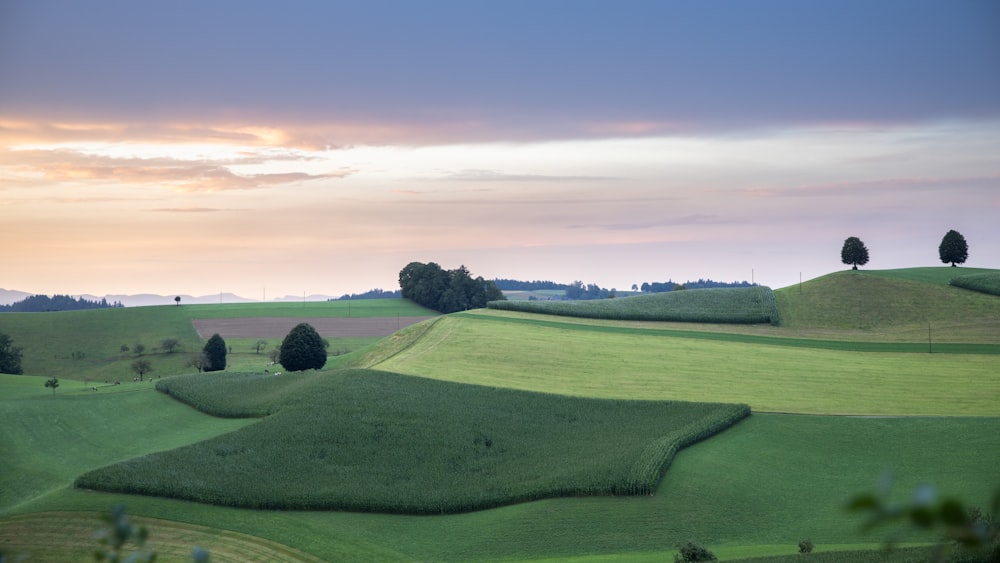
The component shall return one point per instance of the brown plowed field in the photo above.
(278, 327)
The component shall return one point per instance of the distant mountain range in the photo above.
(9, 296)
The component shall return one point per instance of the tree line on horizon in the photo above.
(44, 303)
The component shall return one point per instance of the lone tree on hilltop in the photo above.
(854, 252)
(10, 356)
(953, 248)
(53, 383)
(215, 351)
(141, 367)
(303, 349)
(177, 300)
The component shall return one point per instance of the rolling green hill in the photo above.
(892, 305)
(756, 489)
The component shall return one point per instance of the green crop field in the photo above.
(372, 441)
(744, 305)
(985, 283)
(754, 490)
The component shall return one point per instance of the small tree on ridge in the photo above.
(854, 252)
(953, 248)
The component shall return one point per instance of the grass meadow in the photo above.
(574, 359)
(754, 490)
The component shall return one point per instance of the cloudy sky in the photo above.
(282, 148)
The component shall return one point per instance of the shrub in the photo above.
(806, 546)
(692, 551)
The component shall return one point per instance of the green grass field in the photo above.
(771, 378)
(755, 490)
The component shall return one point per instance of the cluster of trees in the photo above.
(953, 249)
(670, 285)
(370, 294)
(577, 290)
(446, 291)
(44, 303)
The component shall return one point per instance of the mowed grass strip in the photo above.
(371, 441)
(604, 364)
(71, 536)
(744, 305)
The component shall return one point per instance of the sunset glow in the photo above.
(199, 193)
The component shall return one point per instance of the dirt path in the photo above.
(278, 327)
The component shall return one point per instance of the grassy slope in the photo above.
(47, 440)
(892, 305)
(584, 526)
(594, 363)
(50, 339)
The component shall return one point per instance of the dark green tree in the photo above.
(215, 351)
(53, 383)
(854, 252)
(303, 348)
(953, 248)
(10, 356)
(692, 551)
(446, 291)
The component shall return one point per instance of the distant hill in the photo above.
(11, 296)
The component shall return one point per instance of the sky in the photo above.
(293, 148)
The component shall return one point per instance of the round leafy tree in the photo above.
(302, 349)
(10, 356)
(215, 353)
(854, 252)
(953, 248)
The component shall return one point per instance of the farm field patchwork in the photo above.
(756, 489)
